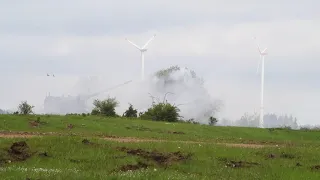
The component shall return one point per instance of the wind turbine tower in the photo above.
(142, 49)
(262, 56)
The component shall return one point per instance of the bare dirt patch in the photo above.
(130, 139)
(133, 139)
(70, 126)
(36, 123)
(246, 145)
(316, 167)
(162, 159)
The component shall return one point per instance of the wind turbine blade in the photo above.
(264, 51)
(149, 41)
(257, 45)
(134, 44)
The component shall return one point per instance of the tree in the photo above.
(25, 108)
(130, 112)
(212, 121)
(105, 107)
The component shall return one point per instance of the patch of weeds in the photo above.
(79, 161)
(175, 132)
(37, 123)
(287, 156)
(298, 164)
(44, 154)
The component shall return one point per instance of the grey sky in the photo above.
(78, 38)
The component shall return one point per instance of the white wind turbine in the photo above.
(262, 55)
(142, 49)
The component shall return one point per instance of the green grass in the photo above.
(208, 160)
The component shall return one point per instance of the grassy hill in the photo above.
(91, 147)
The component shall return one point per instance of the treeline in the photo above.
(271, 120)
(159, 111)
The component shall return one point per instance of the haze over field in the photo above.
(78, 38)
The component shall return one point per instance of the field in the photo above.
(91, 147)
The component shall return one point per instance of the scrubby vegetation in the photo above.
(105, 107)
(25, 108)
(130, 112)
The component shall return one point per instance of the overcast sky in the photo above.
(87, 37)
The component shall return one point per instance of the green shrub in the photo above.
(130, 112)
(162, 112)
(105, 107)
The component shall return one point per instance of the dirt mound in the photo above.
(36, 123)
(176, 132)
(70, 126)
(130, 167)
(163, 159)
(271, 156)
(19, 151)
(86, 141)
(316, 167)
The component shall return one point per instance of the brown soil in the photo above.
(316, 167)
(163, 159)
(19, 151)
(271, 156)
(175, 132)
(134, 167)
(70, 126)
(133, 139)
(33, 123)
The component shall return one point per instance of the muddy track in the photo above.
(130, 139)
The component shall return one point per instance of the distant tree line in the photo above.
(271, 120)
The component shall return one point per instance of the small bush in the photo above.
(130, 112)
(192, 121)
(25, 108)
(213, 121)
(162, 112)
(105, 107)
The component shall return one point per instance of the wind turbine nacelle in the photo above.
(143, 50)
